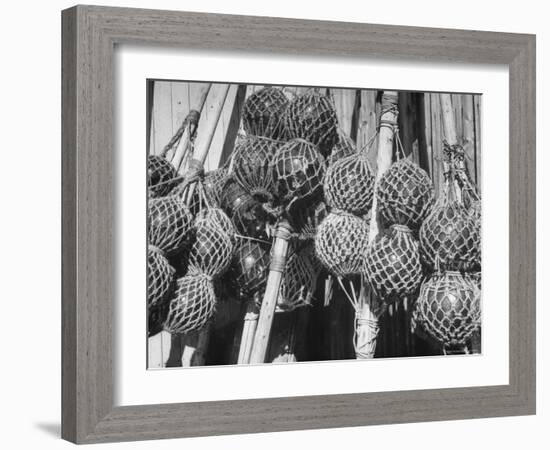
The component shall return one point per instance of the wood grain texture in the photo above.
(89, 212)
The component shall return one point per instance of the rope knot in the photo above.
(156, 249)
(341, 212)
(402, 228)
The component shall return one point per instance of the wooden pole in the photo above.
(249, 331)
(388, 121)
(206, 129)
(183, 144)
(340, 324)
(367, 325)
(194, 349)
(279, 253)
(449, 124)
(449, 131)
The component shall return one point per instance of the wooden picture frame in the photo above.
(89, 36)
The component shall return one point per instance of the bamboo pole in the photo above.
(367, 315)
(279, 253)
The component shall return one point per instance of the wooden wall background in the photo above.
(318, 332)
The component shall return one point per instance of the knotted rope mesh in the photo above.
(344, 147)
(252, 165)
(211, 249)
(207, 192)
(169, 223)
(162, 176)
(475, 277)
(311, 116)
(233, 195)
(404, 195)
(298, 283)
(193, 304)
(392, 264)
(160, 277)
(298, 170)
(263, 113)
(341, 243)
(305, 219)
(216, 217)
(250, 268)
(349, 184)
(247, 214)
(450, 238)
(448, 308)
(472, 201)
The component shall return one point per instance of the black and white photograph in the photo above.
(306, 223)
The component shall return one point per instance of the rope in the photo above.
(370, 345)
(192, 119)
(278, 263)
(403, 228)
(156, 249)
(370, 142)
(342, 212)
(250, 238)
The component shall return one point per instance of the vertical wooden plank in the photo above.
(340, 325)
(216, 147)
(159, 345)
(150, 99)
(437, 143)
(408, 124)
(195, 96)
(478, 149)
(180, 106)
(468, 136)
(368, 122)
(344, 103)
(155, 358)
(425, 141)
(209, 144)
(233, 124)
(456, 100)
(162, 115)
